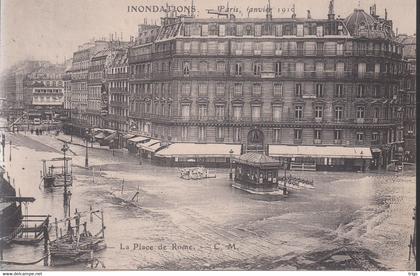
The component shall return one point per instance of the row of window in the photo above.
(256, 90)
(275, 67)
(44, 91)
(256, 111)
(79, 86)
(94, 92)
(79, 75)
(249, 29)
(137, 107)
(118, 98)
(94, 105)
(276, 134)
(118, 84)
(96, 75)
(285, 47)
(299, 67)
(118, 111)
(45, 99)
(81, 65)
(117, 70)
(49, 83)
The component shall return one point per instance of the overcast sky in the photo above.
(52, 29)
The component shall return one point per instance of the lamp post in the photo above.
(10, 155)
(67, 194)
(362, 162)
(230, 163)
(285, 173)
(71, 126)
(3, 145)
(86, 148)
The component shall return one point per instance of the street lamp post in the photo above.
(362, 162)
(230, 163)
(285, 176)
(67, 194)
(86, 147)
(71, 125)
(3, 145)
(10, 156)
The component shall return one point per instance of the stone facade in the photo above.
(294, 81)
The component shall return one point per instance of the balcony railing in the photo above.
(119, 90)
(117, 76)
(270, 119)
(289, 53)
(338, 75)
(118, 104)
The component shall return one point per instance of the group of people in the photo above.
(42, 131)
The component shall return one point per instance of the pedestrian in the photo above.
(32, 131)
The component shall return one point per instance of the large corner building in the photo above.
(308, 91)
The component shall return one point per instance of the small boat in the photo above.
(77, 244)
(195, 173)
(127, 198)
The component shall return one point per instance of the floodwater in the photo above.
(350, 221)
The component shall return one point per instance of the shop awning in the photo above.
(100, 135)
(138, 139)
(148, 144)
(128, 136)
(199, 150)
(107, 130)
(319, 151)
(110, 137)
(151, 146)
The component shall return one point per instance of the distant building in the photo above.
(34, 87)
(117, 91)
(44, 92)
(67, 87)
(79, 83)
(96, 82)
(409, 97)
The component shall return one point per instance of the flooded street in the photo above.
(359, 221)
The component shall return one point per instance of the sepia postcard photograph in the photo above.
(193, 135)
